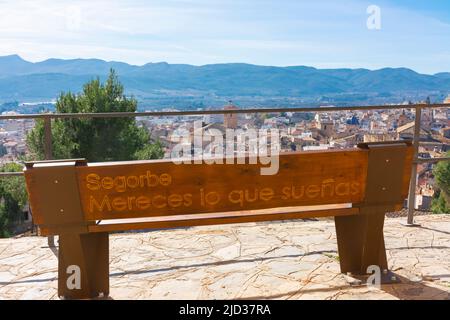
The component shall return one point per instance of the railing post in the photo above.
(413, 181)
(48, 155)
(48, 152)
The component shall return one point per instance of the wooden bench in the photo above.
(83, 202)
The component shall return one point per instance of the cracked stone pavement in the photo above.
(275, 260)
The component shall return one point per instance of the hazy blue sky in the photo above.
(319, 33)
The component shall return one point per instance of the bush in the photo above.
(441, 202)
(13, 198)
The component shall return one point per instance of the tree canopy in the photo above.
(96, 139)
(441, 204)
(13, 198)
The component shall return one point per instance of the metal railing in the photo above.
(47, 117)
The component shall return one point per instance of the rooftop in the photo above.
(277, 260)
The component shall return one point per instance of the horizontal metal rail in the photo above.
(432, 160)
(10, 174)
(211, 112)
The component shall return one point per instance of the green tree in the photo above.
(440, 204)
(13, 198)
(96, 139)
(441, 172)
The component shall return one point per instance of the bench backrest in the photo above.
(74, 196)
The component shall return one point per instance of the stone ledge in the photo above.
(276, 260)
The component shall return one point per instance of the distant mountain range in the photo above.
(162, 84)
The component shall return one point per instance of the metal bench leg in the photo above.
(360, 242)
(360, 237)
(374, 250)
(83, 266)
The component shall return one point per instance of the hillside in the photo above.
(163, 83)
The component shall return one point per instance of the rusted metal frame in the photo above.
(79, 252)
(230, 219)
(55, 198)
(85, 255)
(90, 253)
(413, 181)
(360, 237)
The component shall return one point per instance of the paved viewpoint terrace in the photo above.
(277, 260)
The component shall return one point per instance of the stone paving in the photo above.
(277, 260)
